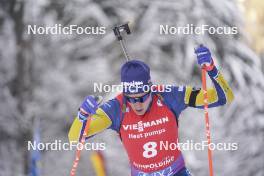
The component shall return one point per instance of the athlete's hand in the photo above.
(204, 57)
(89, 107)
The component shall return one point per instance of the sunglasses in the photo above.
(141, 99)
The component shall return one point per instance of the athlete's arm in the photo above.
(220, 94)
(100, 122)
(106, 116)
(179, 98)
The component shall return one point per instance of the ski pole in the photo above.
(208, 135)
(98, 99)
(117, 31)
(79, 149)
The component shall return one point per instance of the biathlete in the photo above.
(145, 119)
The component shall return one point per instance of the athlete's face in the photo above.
(139, 102)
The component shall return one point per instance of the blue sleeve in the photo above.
(175, 99)
(112, 109)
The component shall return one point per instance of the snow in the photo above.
(60, 71)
